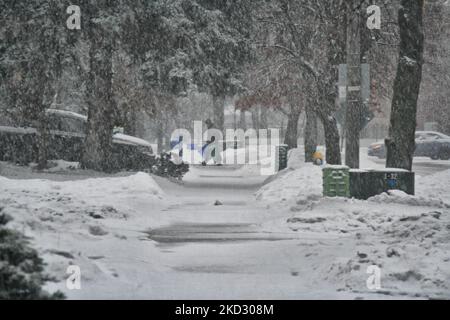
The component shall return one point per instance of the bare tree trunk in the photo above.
(38, 105)
(310, 134)
(219, 112)
(242, 120)
(160, 135)
(255, 118)
(263, 120)
(130, 125)
(98, 147)
(353, 116)
(325, 112)
(401, 141)
(333, 152)
(43, 141)
(292, 128)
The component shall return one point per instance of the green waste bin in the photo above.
(336, 181)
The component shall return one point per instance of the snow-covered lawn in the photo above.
(83, 221)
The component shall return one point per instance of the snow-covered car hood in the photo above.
(68, 114)
(376, 144)
(126, 139)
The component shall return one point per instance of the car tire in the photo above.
(444, 155)
(435, 157)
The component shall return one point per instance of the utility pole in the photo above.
(353, 113)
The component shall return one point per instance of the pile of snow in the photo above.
(434, 186)
(61, 204)
(290, 184)
(62, 165)
(298, 179)
(296, 158)
(408, 237)
(84, 221)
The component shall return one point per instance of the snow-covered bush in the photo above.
(21, 268)
(165, 167)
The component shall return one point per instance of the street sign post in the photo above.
(366, 115)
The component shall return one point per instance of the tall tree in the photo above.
(291, 135)
(33, 51)
(310, 134)
(434, 99)
(100, 29)
(177, 46)
(308, 37)
(352, 122)
(222, 32)
(401, 141)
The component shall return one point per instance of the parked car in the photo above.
(67, 137)
(430, 144)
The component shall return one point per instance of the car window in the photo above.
(73, 125)
(66, 124)
(54, 123)
(420, 136)
(432, 136)
(441, 136)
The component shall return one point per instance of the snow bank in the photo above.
(296, 158)
(290, 184)
(69, 201)
(84, 221)
(435, 186)
(408, 237)
(62, 165)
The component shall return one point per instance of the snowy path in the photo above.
(213, 251)
(195, 263)
(219, 252)
(214, 204)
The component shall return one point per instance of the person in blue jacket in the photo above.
(212, 154)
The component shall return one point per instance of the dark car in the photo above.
(430, 144)
(66, 142)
